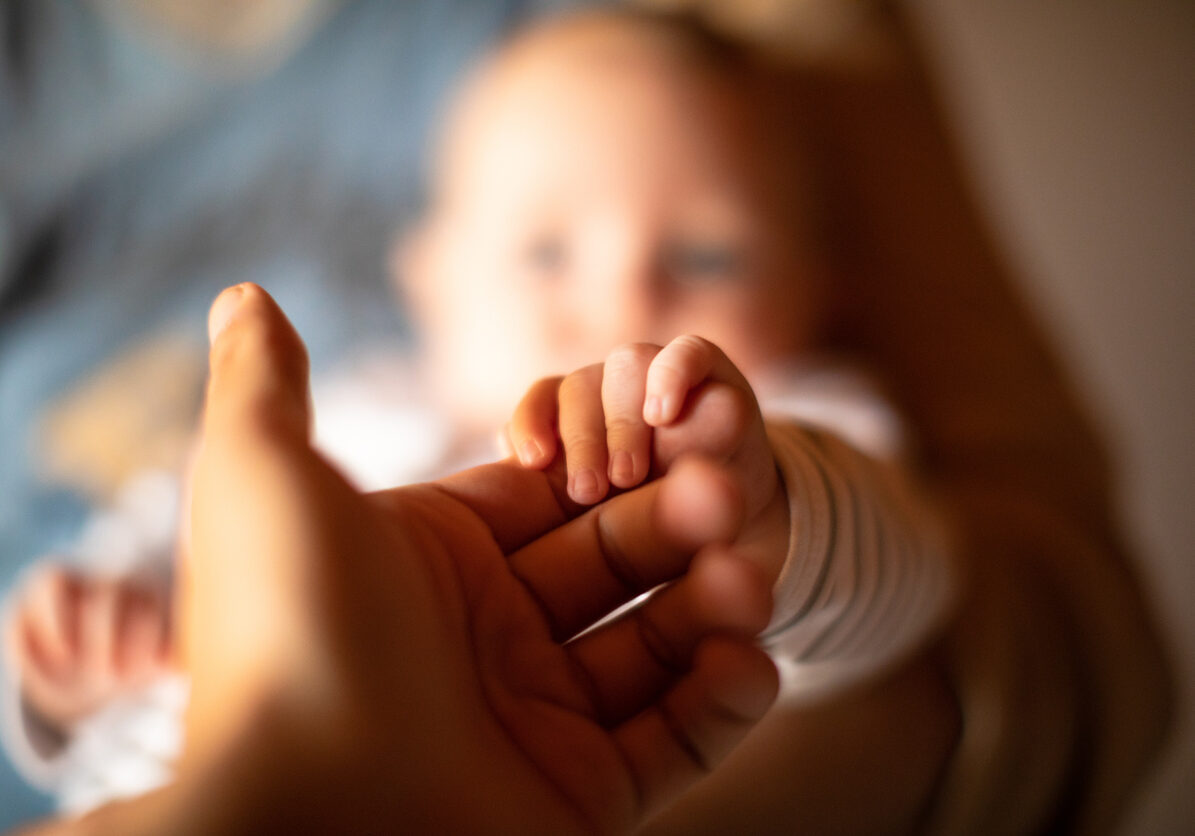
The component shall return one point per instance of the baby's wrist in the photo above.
(767, 540)
(57, 717)
(44, 735)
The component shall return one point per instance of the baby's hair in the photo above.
(684, 35)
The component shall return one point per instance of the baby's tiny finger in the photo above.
(681, 365)
(583, 434)
(98, 628)
(628, 438)
(51, 615)
(531, 432)
(140, 635)
(505, 447)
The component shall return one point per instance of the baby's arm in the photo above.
(856, 558)
(89, 711)
(864, 583)
(634, 415)
(858, 562)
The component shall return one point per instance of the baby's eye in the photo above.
(703, 262)
(546, 256)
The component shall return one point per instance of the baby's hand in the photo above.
(79, 642)
(631, 417)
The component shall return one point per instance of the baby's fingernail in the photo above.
(585, 487)
(659, 410)
(530, 452)
(652, 410)
(622, 469)
(222, 310)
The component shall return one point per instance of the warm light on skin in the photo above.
(593, 190)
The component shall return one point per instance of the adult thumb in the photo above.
(245, 474)
(258, 377)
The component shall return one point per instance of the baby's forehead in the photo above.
(642, 83)
(588, 47)
(598, 65)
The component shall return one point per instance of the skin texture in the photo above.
(364, 661)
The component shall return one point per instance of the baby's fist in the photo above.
(640, 411)
(79, 642)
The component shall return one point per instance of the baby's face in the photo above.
(596, 205)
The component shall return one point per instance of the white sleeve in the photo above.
(868, 578)
(32, 746)
(128, 746)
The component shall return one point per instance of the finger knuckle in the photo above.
(631, 357)
(545, 385)
(57, 585)
(685, 353)
(536, 406)
(585, 449)
(693, 346)
(580, 381)
(620, 427)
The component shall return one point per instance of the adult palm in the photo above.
(419, 658)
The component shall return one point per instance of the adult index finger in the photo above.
(582, 570)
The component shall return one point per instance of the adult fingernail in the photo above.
(222, 311)
(659, 411)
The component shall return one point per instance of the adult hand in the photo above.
(411, 658)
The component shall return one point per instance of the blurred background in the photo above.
(1078, 120)
(142, 169)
